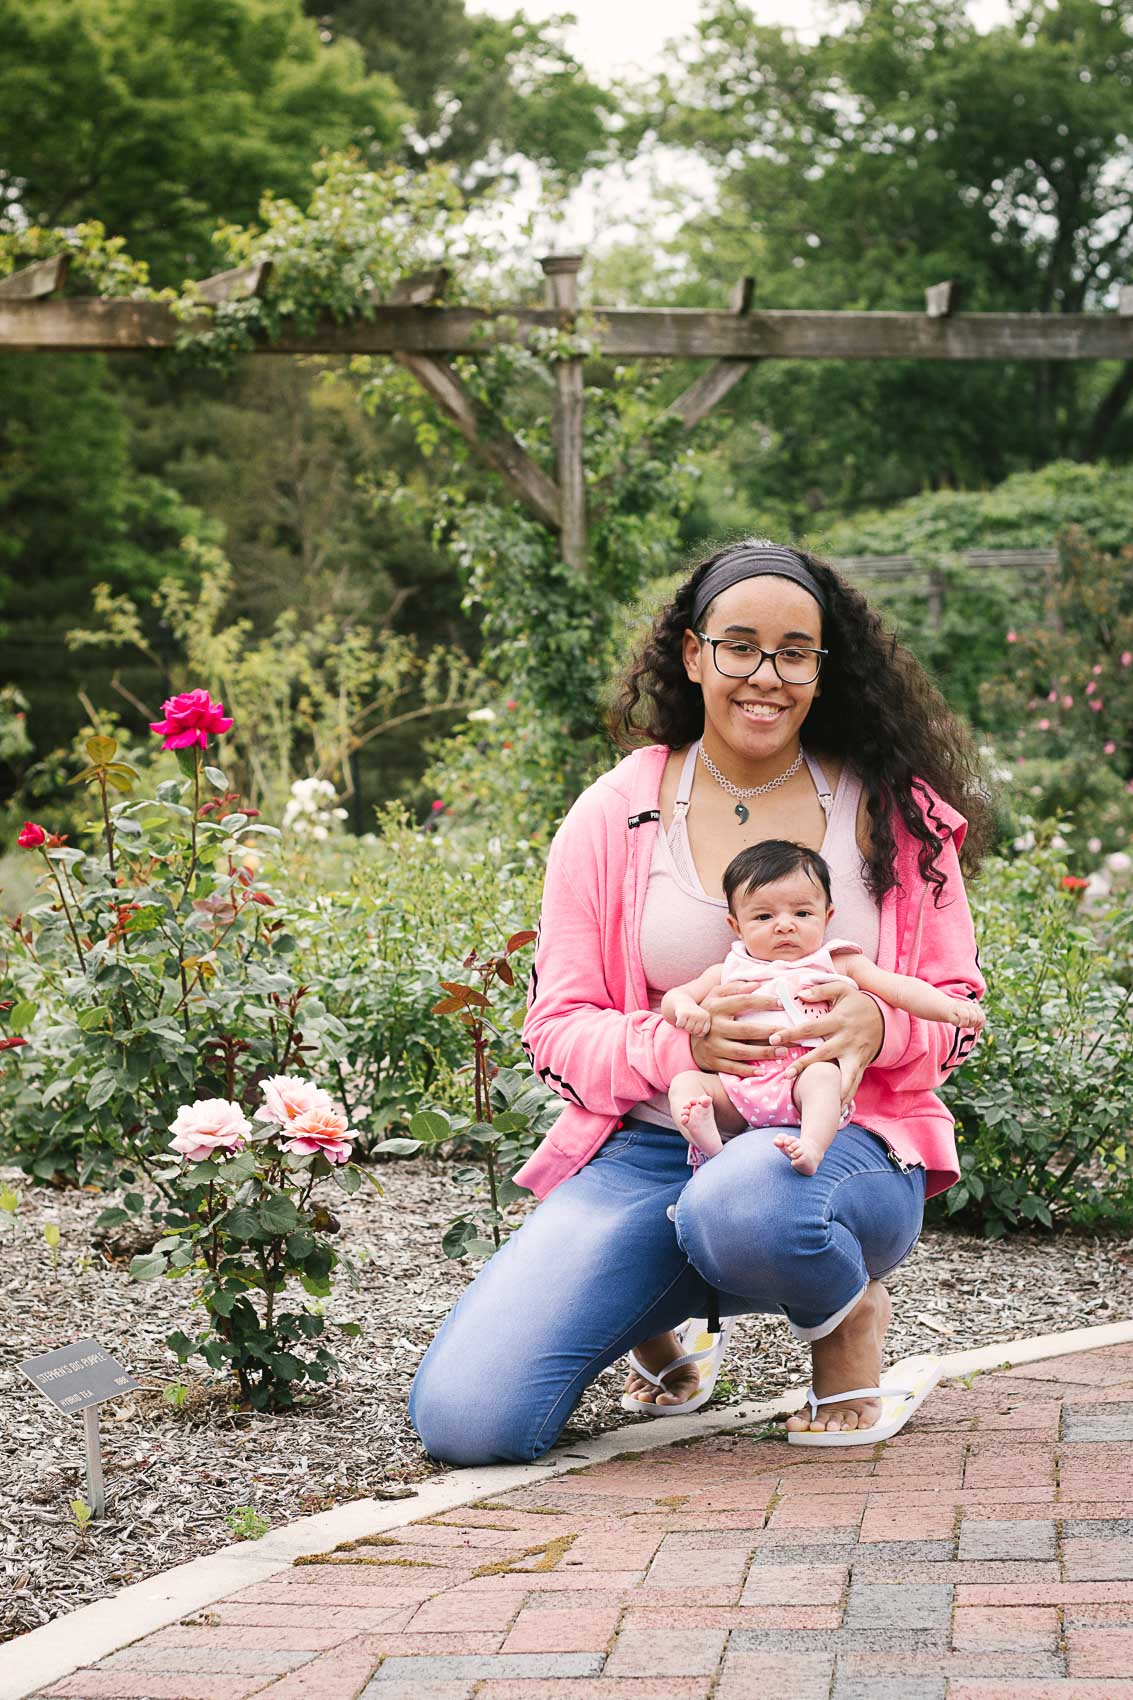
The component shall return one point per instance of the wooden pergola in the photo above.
(424, 336)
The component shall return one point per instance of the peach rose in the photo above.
(208, 1127)
(287, 1096)
(324, 1130)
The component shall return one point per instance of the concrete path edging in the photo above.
(92, 1632)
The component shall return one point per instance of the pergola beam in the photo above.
(622, 333)
(37, 281)
(697, 402)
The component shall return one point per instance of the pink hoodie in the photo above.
(589, 1033)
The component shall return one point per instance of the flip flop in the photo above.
(916, 1378)
(705, 1349)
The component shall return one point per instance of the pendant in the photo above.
(742, 813)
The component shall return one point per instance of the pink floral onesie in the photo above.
(766, 1098)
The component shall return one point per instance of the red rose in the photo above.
(189, 719)
(31, 836)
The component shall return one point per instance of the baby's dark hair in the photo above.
(774, 859)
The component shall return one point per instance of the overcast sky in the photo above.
(613, 35)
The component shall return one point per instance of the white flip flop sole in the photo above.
(704, 1349)
(903, 1390)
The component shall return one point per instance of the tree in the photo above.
(481, 88)
(860, 168)
(159, 117)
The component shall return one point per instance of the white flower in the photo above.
(1119, 862)
(1058, 842)
(1025, 841)
(1093, 845)
(482, 714)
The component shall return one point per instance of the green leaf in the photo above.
(233, 823)
(94, 1021)
(100, 750)
(278, 1215)
(147, 1266)
(350, 1329)
(317, 1285)
(286, 1366)
(101, 1089)
(112, 1218)
(347, 1179)
(22, 1014)
(399, 1147)
(222, 1302)
(181, 1345)
(216, 778)
(429, 1126)
(240, 1224)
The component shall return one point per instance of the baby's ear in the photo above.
(733, 923)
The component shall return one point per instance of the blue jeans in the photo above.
(601, 1265)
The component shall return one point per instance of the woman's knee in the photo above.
(747, 1218)
(465, 1414)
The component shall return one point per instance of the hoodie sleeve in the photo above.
(939, 948)
(577, 1038)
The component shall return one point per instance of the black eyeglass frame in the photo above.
(771, 655)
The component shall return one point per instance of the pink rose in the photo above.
(1097, 705)
(1096, 668)
(1052, 696)
(1091, 688)
(1011, 637)
(288, 1096)
(208, 1127)
(1044, 725)
(1126, 657)
(30, 836)
(1109, 748)
(324, 1130)
(1068, 702)
(190, 719)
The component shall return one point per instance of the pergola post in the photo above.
(561, 271)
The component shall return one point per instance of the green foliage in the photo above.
(1069, 689)
(247, 1524)
(393, 921)
(858, 168)
(306, 697)
(519, 90)
(162, 116)
(1045, 1105)
(967, 649)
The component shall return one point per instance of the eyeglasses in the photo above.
(738, 659)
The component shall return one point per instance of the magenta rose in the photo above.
(31, 836)
(210, 1127)
(325, 1130)
(191, 718)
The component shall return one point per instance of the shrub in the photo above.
(1044, 1108)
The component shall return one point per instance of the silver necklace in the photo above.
(725, 784)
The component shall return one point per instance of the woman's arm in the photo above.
(904, 991)
(923, 1052)
(578, 1042)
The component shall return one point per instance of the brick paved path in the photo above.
(985, 1554)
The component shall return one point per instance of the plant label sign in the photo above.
(76, 1377)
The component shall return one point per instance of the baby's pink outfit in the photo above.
(766, 1098)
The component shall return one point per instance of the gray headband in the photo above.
(754, 560)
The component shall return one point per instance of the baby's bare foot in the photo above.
(699, 1123)
(805, 1156)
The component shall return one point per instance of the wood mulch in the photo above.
(175, 1474)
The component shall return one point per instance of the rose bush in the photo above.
(246, 1228)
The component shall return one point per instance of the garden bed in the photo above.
(175, 1474)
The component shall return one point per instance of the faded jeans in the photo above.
(631, 1246)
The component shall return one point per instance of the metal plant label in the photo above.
(79, 1376)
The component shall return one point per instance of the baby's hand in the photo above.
(965, 1014)
(690, 1018)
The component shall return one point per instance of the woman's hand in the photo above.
(736, 1039)
(851, 1031)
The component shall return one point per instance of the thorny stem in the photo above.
(193, 824)
(66, 910)
(107, 827)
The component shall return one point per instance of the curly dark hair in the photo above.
(878, 710)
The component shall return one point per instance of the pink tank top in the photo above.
(683, 930)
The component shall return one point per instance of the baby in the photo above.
(779, 906)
